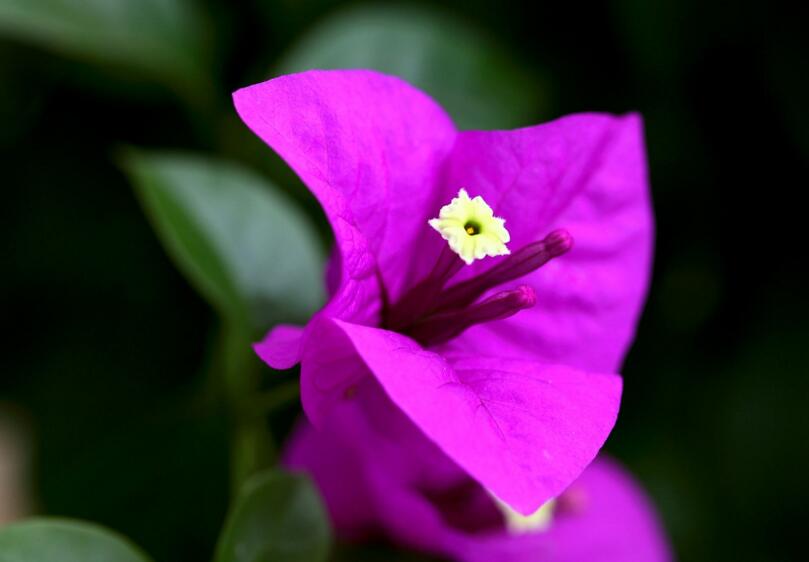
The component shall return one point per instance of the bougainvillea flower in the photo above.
(413, 495)
(507, 364)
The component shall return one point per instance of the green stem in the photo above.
(252, 446)
(280, 396)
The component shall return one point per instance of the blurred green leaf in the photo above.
(62, 540)
(245, 247)
(164, 39)
(479, 84)
(278, 517)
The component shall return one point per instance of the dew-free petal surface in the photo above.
(369, 146)
(379, 477)
(281, 348)
(522, 429)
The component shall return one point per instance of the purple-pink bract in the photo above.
(381, 477)
(522, 403)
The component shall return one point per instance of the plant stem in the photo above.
(252, 446)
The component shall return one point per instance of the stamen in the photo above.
(442, 327)
(422, 297)
(524, 261)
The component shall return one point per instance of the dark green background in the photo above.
(104, 339)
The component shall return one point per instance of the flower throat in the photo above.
(432, 312)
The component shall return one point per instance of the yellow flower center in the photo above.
(518, 524)
(471, 229)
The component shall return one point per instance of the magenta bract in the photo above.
(399, 485)
(518, 386)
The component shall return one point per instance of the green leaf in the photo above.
(245, 246)
(480, 85)
(162, 38)
(278, 517)
(62, 540)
